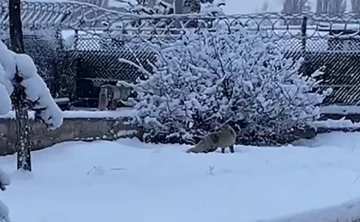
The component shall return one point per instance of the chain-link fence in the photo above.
(75, 65)
(51, 60)
(97, 62)
(328, 42)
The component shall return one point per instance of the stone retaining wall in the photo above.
(85, 129)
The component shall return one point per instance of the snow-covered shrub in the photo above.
(4, 182)
(4, 212)
(213, 8)
(123, 32)
(162, 7)
(38, 95)
(5, 102)
(209, 78)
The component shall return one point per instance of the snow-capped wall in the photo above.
(73, 129)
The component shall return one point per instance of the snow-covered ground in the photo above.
(134, 182)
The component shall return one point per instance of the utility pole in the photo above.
(18, 97)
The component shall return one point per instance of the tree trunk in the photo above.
(23, 145)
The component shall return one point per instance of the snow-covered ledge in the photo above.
(77, 125)
(324, 126)
(121, 112)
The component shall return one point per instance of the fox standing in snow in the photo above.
(112, 94)
(222, 138)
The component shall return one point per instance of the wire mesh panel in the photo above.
(98, 62)
(66, 75)
(331, 43)
(43, 47)
(336, 48)
(104, 36)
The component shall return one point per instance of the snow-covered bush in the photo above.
(4, 210)
(123, 32)
(5, 102)
(162, 7)
(120, 34)
(209, 78)
(38, 95)
(213, 8)
(5, 180)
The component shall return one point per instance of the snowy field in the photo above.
(134, 182)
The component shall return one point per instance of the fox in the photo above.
(110, 95)
(222, 138)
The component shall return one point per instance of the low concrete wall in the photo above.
(85, 129)
(107, 126)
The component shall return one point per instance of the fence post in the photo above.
(179, 9)
(76, 39)
(57, 63)
(74, 67)
(303, 44)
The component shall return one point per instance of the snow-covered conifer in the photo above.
(209, 78)
(38, 95)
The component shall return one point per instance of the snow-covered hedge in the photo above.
(37, 94)
(209, 78)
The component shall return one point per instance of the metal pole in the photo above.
(179, 6)
(303, 44)
(179, 9)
